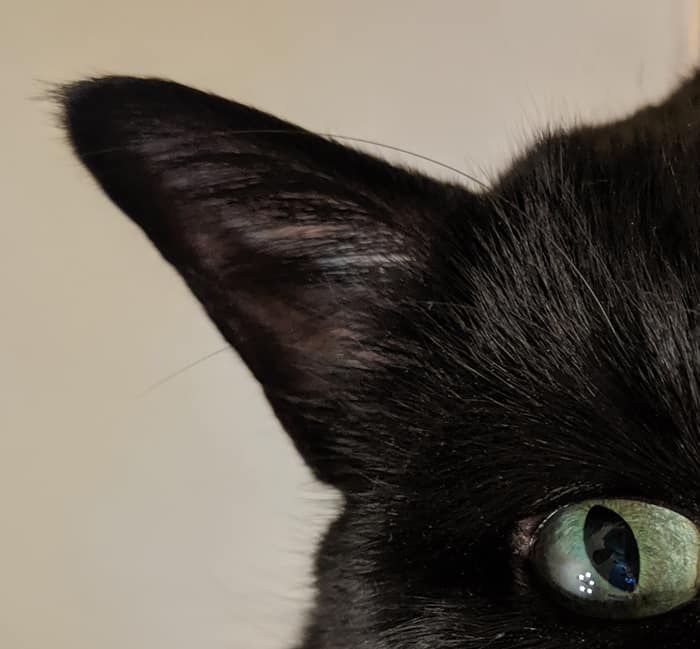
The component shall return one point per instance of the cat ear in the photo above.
(297, 247)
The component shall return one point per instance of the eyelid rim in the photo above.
(524, 536)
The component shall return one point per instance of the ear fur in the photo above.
(298, 248)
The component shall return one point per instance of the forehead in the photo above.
(578, 360)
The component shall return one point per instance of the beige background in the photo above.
(182, 518)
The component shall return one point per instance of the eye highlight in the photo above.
(619, 559)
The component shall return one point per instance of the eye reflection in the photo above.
(588, 583)
(612, 548)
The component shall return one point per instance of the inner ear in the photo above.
(302, 251)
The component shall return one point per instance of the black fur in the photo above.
(458, 364)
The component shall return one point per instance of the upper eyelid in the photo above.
(525, 532)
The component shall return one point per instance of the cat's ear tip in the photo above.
(93, 96)
(97, 112)
(77, 97)
(108, 86)
(87, 103)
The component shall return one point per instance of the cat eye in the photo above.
(619, 559)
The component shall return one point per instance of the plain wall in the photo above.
(181, 517)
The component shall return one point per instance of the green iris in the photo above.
(619, 558)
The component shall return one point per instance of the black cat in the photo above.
(460, 365)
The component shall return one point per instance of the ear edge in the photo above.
(92, 113)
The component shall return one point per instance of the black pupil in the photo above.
(612, 548)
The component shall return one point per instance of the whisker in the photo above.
(419, 156)
(187, 367)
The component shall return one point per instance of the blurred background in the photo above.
(179, 515)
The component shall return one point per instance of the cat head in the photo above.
(458, 364)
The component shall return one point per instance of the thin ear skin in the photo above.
(297, 247)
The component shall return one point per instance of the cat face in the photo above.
(459, 365)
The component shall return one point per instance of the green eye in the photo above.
(619, 558)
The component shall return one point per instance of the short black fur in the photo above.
(456, 363)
